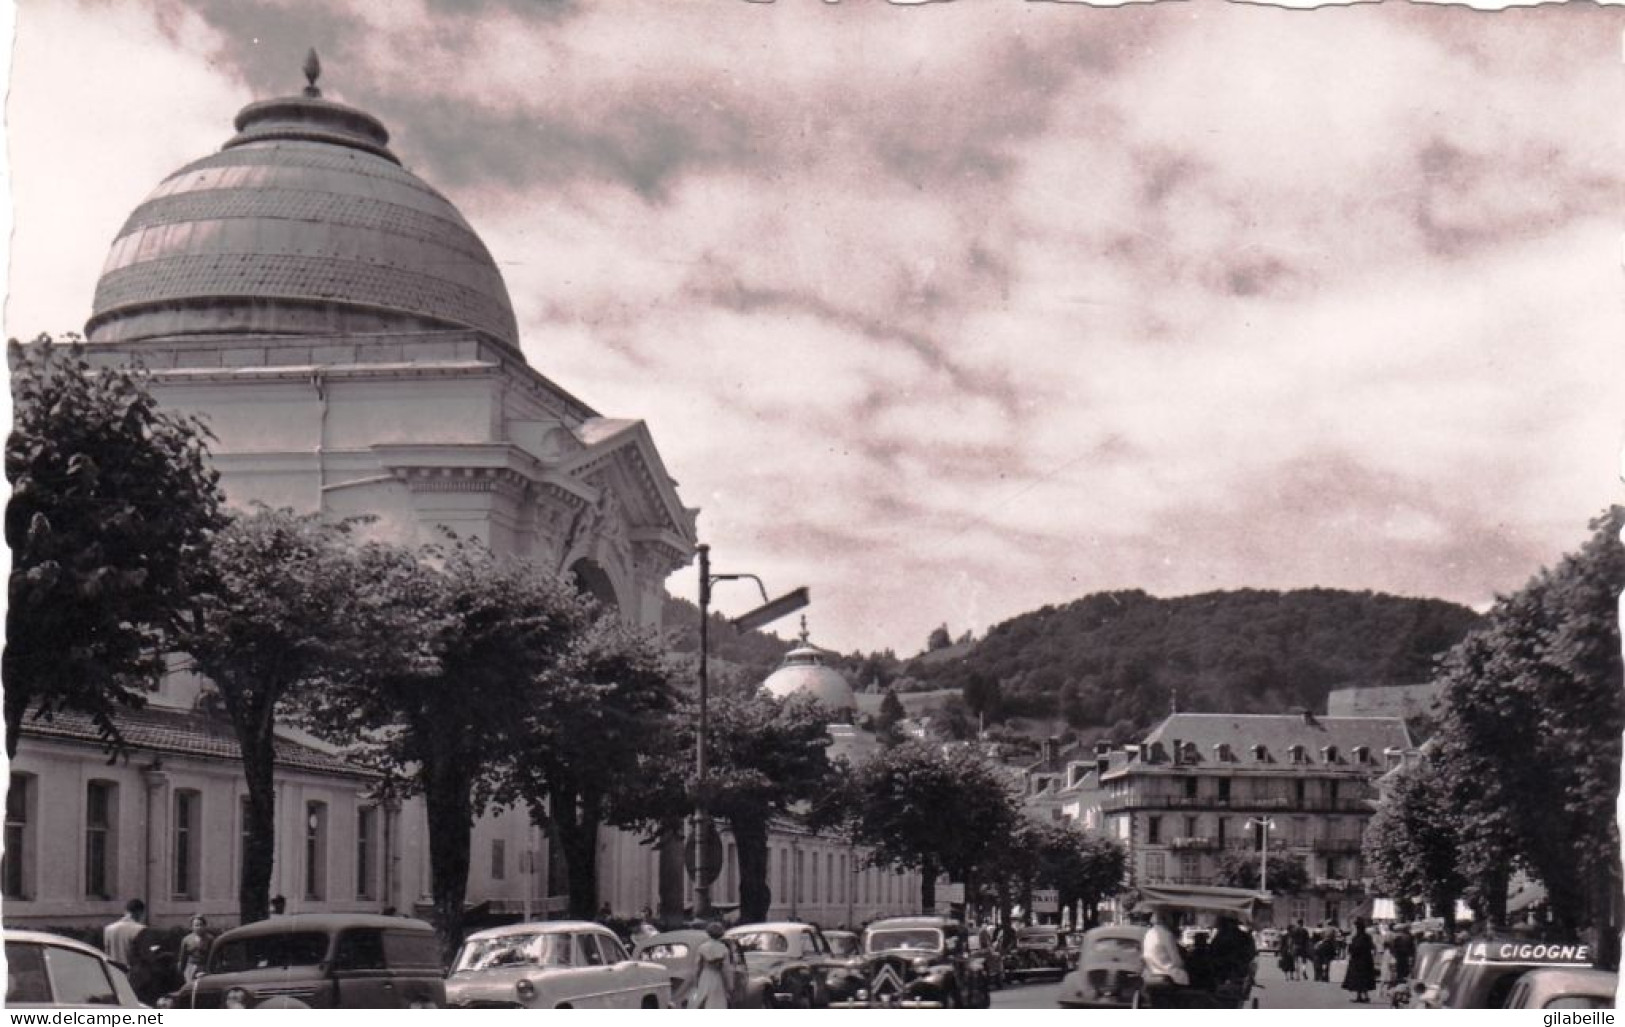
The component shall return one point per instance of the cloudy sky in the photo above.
(952, 310)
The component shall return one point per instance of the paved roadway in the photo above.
(1277, 993)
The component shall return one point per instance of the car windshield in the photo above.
(514, 950)
(1115, 947)
(923, 939)
(842, 945)
(664, 950)
(762, 941)
(262, 951)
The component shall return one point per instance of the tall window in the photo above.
(1156, 867)
(1190, 867)
(1224, 789)
(829, 877)
(499, 859)
(1153, 830)
(18, 861)
(784, 876)
(101, 839)
(814, 888)
(801, 876)
(366, 848)
(315, 851)
(187, 842)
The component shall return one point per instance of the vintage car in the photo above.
(1240, 905)
(844, 944)
(1109, 969)
(1565, 989)
(790, 963)
(1039, 952)
(992, 960)
(319, 961)
(1434, 962)
(678, 952)
(557, 964)
(1488, 969)
(917, 963)
(48, 971)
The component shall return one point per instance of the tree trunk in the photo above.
(256, 742)
(673, 878)
(576, 819)
(928, 887)
(755, 893)
(450, 809)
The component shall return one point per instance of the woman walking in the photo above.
(711, 989)
(1361, 975)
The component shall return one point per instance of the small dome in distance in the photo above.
(806, 672)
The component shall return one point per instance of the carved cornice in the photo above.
(500, 480)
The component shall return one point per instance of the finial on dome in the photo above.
(1173, 700)
(313, 71)
(804, 630)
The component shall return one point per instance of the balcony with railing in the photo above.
(1337, 844)
(1237, 804)
(1193, 843)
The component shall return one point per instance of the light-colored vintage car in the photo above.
(790, 963)
(679, 953)
(562, 964)
(1581, 988)
(45, 971)
(1109, 970)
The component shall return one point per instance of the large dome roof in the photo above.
(804, 672)
(303, 224)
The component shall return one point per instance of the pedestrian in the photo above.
(194, 952)
(118, 937)
(1325, 952)
(1303, 948)
(1361, 975)
(1402, 950)
(1287, 958)
(1232, 952)
(605, 914)
(711, 986)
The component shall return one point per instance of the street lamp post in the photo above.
(702, 847)
(1265, 824)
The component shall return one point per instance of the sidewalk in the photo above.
(1276, 992)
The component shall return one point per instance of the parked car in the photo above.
(844, 944)
(1489, 969)
(46, 971)
(1109, 969)
(1435, 961)
(791, 963)
(320, 961)
(678, 952)
(557, 964)
(917, 963)
(1565, 989)
(1039, 952)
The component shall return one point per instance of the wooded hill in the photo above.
(1112, 662)
(1115, 661)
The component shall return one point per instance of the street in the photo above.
(1275, 992)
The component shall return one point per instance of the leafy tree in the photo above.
(278, 618)
(610, 699)
(922, 807)
(983, 696)
(112, 510)
(890, 717)
(1413, 840)
(1082, 867)
(1530, 736)
(940, 639)
(1239, 869)
(769, 757)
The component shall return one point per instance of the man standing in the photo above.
(119, 937)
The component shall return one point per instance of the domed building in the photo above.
(805, 671)
(351, 344)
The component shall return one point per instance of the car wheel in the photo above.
(650, 1002)
(951, 1000)
(804, 999)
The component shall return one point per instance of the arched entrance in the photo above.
(591, 579)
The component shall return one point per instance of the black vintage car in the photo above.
(917, 962)
(1039, 952)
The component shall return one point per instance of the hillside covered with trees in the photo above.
(1112, 662)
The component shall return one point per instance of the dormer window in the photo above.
(1362, 754)
(1328, 753)
(1260, 754)
(1298, 755)
(1222, 753)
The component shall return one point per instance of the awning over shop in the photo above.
(1238, 901)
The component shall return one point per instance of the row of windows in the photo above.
(101, 843)
(1158, 829)
(839, 883)
(1189, 868)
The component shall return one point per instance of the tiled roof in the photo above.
(1278, 733)
(183, 733)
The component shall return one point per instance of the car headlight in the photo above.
(525, 990)
(236, 998)
(922, 963)
(165, 1002)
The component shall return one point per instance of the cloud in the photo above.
(956, 310)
